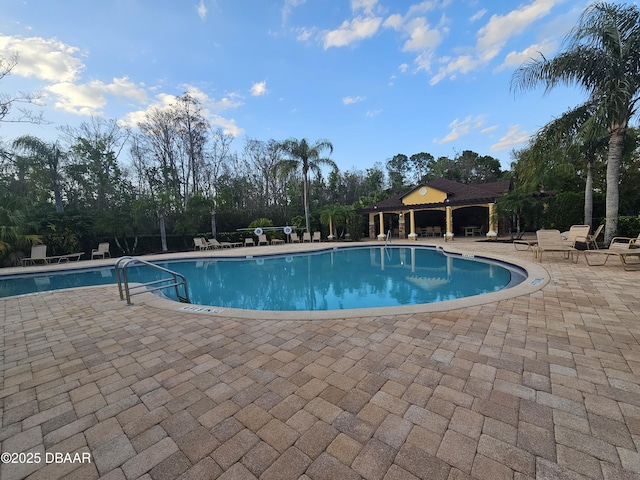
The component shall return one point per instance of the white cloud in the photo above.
(478, 15)
(422, 37)
(403, 67)
(493, 36)
(288, 7)
(514, 137)
(461, 64)
(515, 59)
(202, 10)
(50, 60)
(305, 34)
(373, 113)
(490, 129)
(211, 109)
(350, 100)
(259, 88)
(90, 98)
(352, 31)
(460, 128)
(365, 5)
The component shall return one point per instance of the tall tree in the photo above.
(304, 157)
(398, 168)
(602, 56)
(51, 156)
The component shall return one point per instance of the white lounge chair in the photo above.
(38, 254)
(101, 252)
(316, 237)
(552, 241)
(624, 248)
(200, 243)
(306, 237)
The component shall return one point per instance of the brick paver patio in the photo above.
(542, 386)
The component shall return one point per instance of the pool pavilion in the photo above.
(438, 208)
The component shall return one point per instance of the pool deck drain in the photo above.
(543, 385)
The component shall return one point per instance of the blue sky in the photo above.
(374, 77)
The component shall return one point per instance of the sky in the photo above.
(374, 77)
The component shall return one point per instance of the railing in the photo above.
(175, 280)
(388, 238)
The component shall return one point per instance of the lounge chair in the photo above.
(216, 244)
(306, 237)
(592, 240)
(552, 241)
(248, 242)
(262, 239)
(200, 244)
(38, 254)
(577, 233)
(622, 247)
(101, 252)
(316, 237)
(294, 237)
(213, 244)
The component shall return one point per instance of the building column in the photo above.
(449, 234)
(493, 231)
(381, 235)
(412, 225)
(372, 226)
(401, 229)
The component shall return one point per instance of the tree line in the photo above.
(174, 176)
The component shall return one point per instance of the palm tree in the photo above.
(50, 155)
(602, 56)
(332, 213)
(579, 138)
(304, 157)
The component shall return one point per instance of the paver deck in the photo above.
(544, 385)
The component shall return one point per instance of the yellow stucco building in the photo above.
(438, 208)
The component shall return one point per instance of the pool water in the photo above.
(345, 278)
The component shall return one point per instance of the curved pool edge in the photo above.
(537, 277)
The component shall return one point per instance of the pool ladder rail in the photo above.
(126, 292)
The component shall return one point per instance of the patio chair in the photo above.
(316, 237)
(213, 244)
(428, 231)
(248, 242)
(593, 239)
(262, 239)
(38, 254)
(101, 252)
(622, 247)
(437, 231)
(306, 237)
(200, 243)
(552, 241)
(294, 237)
(577, 233)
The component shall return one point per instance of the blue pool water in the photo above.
(345, 278)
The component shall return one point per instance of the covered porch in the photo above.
(441, 208)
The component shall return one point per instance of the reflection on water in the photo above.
(336, 279)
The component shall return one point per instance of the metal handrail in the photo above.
(126, 291)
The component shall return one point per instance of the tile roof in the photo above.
(457, 194)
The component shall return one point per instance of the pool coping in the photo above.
(536, 278)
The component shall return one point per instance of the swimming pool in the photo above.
(333, 279)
